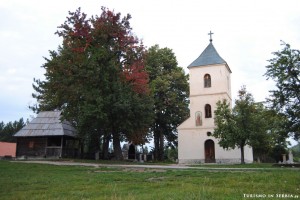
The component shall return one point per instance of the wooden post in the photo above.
(46, 147)
(61, 146)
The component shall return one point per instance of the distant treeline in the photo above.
(8, 130)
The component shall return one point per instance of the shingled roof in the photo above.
(209, 56)
(47, 123)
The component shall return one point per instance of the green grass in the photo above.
(40, 181)
(254, 165)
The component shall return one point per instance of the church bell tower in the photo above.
(210, 82)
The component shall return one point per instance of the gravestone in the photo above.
(141, 158)
(284, 158)
(125, 151)
(97, 155)
(291, 157)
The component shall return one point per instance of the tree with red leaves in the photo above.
(97, 78)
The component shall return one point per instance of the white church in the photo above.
(209, 82)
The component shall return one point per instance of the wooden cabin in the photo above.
(47, 136)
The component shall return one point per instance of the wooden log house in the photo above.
(47, 136)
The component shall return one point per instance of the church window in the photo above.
(207, 81)
(207, 111)
(209, 133)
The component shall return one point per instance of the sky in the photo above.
(245, 35)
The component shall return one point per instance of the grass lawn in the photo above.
(40, 181)
(254, 165)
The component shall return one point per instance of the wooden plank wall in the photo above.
(31, 146)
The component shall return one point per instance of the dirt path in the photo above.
(66, 163)
(172, 166)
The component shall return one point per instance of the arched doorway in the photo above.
(209, 147)
(131, 152)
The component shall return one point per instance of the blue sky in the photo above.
(245, 34)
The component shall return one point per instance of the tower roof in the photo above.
(209, 56)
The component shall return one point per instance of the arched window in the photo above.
(207, 111)
(207, 81)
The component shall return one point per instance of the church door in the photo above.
(209, 146)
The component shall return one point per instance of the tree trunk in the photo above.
(161, 146)
(95, 143)
(81, 148)
(105, 147)
(117, 147)
(242, 155)
(156, 145)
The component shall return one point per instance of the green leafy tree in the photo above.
(170, 90)
(296, 152)
(240, 126)
(97, 78)
(273, 133)
(284, 69)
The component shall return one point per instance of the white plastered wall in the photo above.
(191, 143)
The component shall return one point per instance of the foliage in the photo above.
(248, 123)
(36, 181)
(225, 125)
(273, 142)
(296, 152)
(284, 69)
(170, 90)
(171, 153)
(234, 128)
(277, 152)
(8, 130)
(97, 78)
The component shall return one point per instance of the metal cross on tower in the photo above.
(210, 34)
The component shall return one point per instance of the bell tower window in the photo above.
(207, 81)
(207, 111)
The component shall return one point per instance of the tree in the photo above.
(284, 69)
(97, 79)
(273, 133)
(8, 130)
(240, 126)
(170, 90)
(296, 152)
